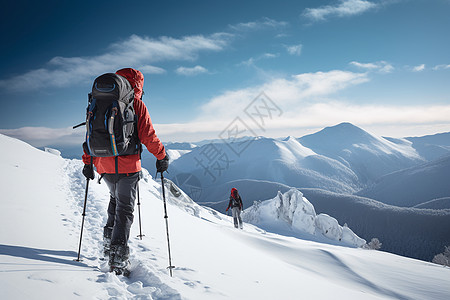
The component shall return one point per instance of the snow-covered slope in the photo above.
(412, 232)
(363, 215)
(41, 215)
(412, 186)
(432, 147)
(369, 156)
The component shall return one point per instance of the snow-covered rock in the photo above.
(292, 211)
(52, 151)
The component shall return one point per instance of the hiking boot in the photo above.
(107, 232)
(118, 257)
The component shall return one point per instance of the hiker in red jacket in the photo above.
(236, 207)
(121, 174)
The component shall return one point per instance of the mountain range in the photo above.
(344, 161)
(342, 164)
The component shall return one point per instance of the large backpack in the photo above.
(235, 202)
(111, 122)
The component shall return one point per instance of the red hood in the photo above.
(234, 192)
(135, 78)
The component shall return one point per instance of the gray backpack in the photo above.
(111, 122)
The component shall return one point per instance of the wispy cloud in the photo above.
(441, 67)
(419, 68)
(191, 71)
(291, 92)
(380, 66)
(258, 25)
(294, 49)
(147, 69)
(251, 61)
(135, 51)
(342, 9)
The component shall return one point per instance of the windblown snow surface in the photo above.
(40, 219)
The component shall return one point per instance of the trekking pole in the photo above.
(170, 267)
(82, 222)
(139, 212)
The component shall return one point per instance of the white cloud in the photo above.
(342, 9)
(136, 51)
(191, 71)
(380, 66)
(441, 67)
(369, 66)
(393, 121)
(147, 69)
(258, 25)
(307, 101)
(295, 49)
(419, 68)
(251, 61)
(291, 92)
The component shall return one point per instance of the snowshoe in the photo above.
(120, 271)
(119, 260)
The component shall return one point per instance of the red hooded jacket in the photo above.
(146, 133)
(234, 195)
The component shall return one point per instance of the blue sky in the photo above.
(383, 65)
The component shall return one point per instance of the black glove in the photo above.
(162, 164)
(88, 171)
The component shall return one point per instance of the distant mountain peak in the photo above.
(345, 124)
(342, 134)
(345, 127)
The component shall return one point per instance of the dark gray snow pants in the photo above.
(236, 211)
(122, 189)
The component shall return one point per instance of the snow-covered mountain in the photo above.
(367, 155)
(42, 202)
(432, 147)
(257, 175)
(286, 162)
(412, 186)
(342, 158)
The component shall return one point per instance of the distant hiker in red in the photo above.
(121, 171)
(236, 207)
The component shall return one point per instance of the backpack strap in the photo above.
(90, 113)
(112, 137)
